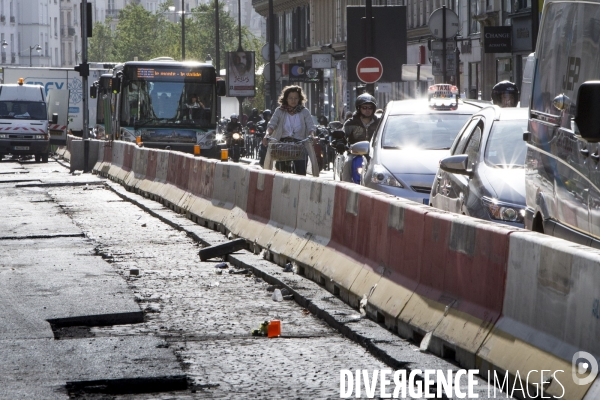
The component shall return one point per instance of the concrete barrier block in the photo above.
(551, 309)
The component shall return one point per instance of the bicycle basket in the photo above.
(287, 151)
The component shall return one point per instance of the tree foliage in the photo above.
(145, 35)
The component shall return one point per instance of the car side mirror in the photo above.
(360, 148)
(456, 165)
(587, 117)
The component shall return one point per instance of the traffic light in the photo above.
(83, 69)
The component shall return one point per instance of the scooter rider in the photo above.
(505, 94)
(360, 127)
(232, 126)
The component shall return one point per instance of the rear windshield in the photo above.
(505, 146)
(23, 110)
(422, 131)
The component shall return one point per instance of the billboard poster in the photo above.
(240, 74)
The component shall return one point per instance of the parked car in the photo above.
(484, 176)
(412, 137)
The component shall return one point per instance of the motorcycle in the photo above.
(349, 160)
(236, 145)
(251, 138)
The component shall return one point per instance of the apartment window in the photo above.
(55, 27)
(473, 11)
(55, 61)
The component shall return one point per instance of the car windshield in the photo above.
(422, 131)
(23, 110)
(505, 146)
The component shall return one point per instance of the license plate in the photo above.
(426, 201)
(21, 147)
(56, 133)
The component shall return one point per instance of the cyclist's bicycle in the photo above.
(286, 151)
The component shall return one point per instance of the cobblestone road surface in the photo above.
(205, 317)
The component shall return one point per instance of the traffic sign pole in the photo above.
(444, 43)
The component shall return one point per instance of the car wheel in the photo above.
(37, 158)
(45, 157)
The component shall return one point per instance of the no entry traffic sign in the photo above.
(369, 70)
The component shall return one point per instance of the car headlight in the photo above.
(41, 137)
(236, 136)
(220, 137)
(3, 136)
(504, 211)
(383, 177)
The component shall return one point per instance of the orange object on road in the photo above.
(274, 328)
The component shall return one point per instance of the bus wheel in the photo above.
(45, 157)
(37, 158)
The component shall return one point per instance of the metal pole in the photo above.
(444, 44)
(217, 49)
(182, 31)
(240, 99)
(457, 61)
(369, 38)
(30, 48)
(240, 27)
(84, 83)
(272, 81)
(418, 91)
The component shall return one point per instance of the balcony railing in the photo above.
(13, 58)
(3, 58)
(71, 31)
(2, 18)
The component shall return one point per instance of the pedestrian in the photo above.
(291, 122)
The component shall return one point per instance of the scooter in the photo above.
(349, 160)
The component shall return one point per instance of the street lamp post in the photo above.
(182, 30)
(37, 48)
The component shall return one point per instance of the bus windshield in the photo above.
(167, 103)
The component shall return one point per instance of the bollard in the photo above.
(224, 154)
(196, 150)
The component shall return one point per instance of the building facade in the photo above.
(304, 28)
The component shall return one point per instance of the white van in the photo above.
(563, 157)
(24, 121)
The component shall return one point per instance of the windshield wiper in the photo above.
(392, 147)
(144, 122)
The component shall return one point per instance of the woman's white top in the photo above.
(292, 126)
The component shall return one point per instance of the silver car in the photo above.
(413, 136)
(484, 177)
